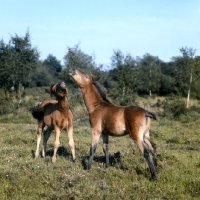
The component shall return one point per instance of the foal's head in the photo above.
(81, 79)
(59, 90)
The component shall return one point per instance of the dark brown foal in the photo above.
(109, 119)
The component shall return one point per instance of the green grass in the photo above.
(128, 177)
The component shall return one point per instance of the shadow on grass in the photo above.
(62, 152)
(115, 161)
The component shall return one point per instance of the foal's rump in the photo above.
(138, 120)
(138, 112)
(36, 112)
(40, 108)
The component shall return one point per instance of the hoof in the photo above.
(154, 178)
(36, 154)
(43, 155)
(87, 167)
(53, 159)
(107, 165)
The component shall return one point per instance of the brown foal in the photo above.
(56, 115)
(111, 120)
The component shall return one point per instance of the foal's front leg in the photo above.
(71, 141)
(56, 144)
(105, 149)
(95, 140)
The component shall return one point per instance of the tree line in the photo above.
(21, 67)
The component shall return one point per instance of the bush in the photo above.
(6, 104)
(174, 107)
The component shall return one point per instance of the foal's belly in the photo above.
(114, 128)
(115, 133)
(114, 123)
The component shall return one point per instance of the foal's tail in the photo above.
(36, 112)
(151, 114)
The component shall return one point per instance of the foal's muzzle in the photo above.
(63, 85)
(72, 72)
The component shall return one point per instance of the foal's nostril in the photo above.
(63, 85)
(72, 72)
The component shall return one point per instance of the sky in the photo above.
(136, 27)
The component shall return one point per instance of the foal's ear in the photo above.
(53, 87)
(95, 78)
(66, 91)
(48, 91)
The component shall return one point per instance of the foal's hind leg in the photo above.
(39, 136)
(152, 147)
(105, 149)
(45, 139)
(147, 156)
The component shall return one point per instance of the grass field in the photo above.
(128, 177)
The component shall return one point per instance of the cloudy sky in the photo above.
(158, 27)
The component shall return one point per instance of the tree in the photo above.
(124, 72)
(6, 57)
(186, 68)
(195, 87)
(54, 66)
(149, 75)
(41, 77)
(17, 60)
(167, 85)
(76, 58)
(168, 78)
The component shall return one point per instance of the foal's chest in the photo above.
(56, 119)
(60, 121)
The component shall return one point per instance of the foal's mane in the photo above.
(101, 90)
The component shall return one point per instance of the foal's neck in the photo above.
(91, 98)
(63, 104)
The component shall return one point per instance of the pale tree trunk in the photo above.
(19, 93)
(188, 97)
(123, 92)
(150, 81)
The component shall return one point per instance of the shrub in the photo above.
(6, 104)
(174, 107)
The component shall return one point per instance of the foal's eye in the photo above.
(86, 76)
